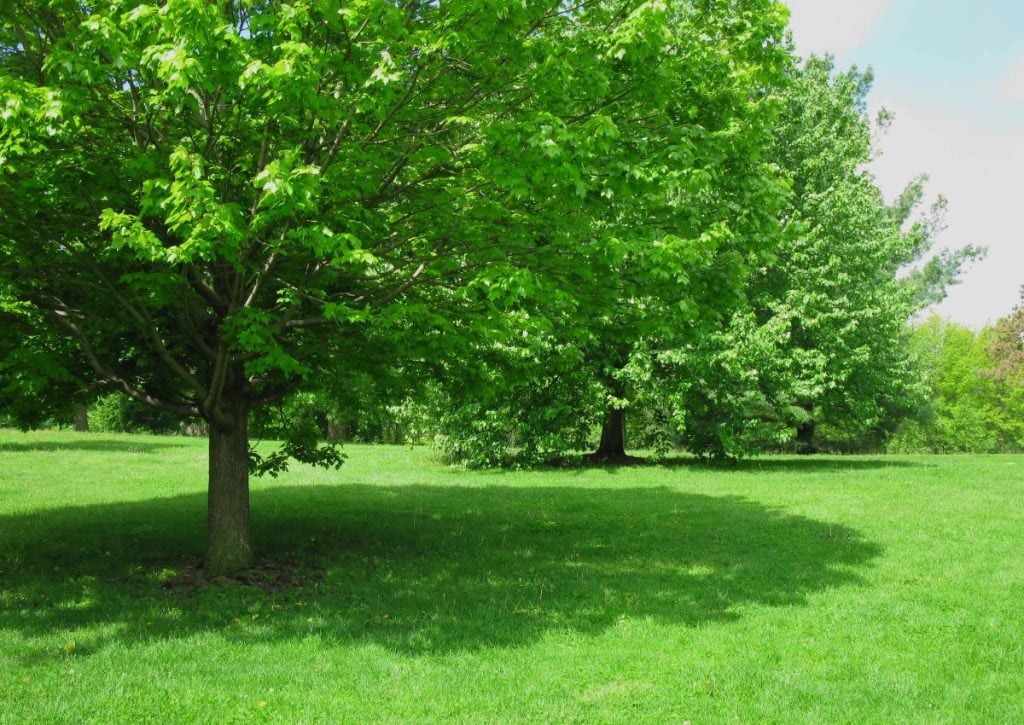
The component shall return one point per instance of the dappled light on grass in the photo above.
(420, 569)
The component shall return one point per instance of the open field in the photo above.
(816, 590)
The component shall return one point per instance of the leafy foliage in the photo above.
(117, 413)
(702, 205)
(1007, 347)
(220, 202)
(823, 337)
(973, 406)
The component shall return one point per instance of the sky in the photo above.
(953, 74)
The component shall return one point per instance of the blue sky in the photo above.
(953, 73)
(948, 53)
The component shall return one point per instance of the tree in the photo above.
(971, 406)
(704, 199)
(1007, 346)
(822, 339)
(221, 203)
(723, 219)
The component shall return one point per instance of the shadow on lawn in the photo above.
(123, 445)
(806, 464)
(778, 464)
(419, 569)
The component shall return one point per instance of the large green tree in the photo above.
(220, 203)
(823, 336)
(705, 196)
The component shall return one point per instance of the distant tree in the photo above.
(822, 338)
(969, 409)
(1005, 350)
(1007, 346)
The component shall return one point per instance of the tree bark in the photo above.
(81, 418)
(228, 534)
(805, 438)
(613, 436)
(336, 431)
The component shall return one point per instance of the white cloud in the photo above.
(1011, 83)
(834, 26)
(978, 168)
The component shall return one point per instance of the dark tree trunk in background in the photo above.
(81, 418)
(613, 436)
(228, 534)
(336, 431)
(805, 438)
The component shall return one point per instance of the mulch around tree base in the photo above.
(266, 576)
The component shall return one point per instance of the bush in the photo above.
(117, 413)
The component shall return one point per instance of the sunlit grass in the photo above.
(817, 590)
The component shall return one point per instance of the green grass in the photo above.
(814, 590)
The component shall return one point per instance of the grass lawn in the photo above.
(815, 590)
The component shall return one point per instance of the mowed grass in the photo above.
(796, 590)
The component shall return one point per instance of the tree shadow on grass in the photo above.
(417, 569)
(802, 464)
(100, 445)
(776, 464)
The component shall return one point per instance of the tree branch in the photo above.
(110, 377)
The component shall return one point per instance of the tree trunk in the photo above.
(336, 431)
(81, 418)
(613, 435)
(805, 438)
(228, 533)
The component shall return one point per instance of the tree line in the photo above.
(533, 227)
(966, 396)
